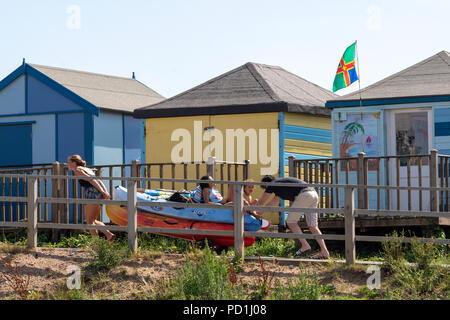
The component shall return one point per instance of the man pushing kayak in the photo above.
(299, 197)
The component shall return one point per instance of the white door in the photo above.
(409, 132)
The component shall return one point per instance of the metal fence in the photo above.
(33, 201)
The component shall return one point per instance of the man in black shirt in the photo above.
(299, 197)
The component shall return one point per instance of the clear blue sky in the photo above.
(175, 45)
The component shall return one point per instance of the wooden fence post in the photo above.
(211, 167)
(56, 168)
(361, 180)
(32, 213)
(292, 172)
(350, 246)
(434, 180)
(238, 216)
(132, 215)
(134, 170)
(246, 169)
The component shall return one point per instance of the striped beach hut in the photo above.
(255, 112)
(407, 113)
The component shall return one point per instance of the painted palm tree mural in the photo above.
(349, 132)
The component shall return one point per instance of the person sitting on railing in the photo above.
(93, 189)
(299, 197)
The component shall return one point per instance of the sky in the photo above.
(174, 45)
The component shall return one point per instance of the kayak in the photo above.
(119, 215)
(224, 216)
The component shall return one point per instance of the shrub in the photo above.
(422, 278)
(107, 255)
(208, 279)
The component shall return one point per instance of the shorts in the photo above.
(306, 199)
(92, 193)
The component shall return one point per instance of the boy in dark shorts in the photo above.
(299, 197)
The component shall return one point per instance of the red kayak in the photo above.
(119, 215)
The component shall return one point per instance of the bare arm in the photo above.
(98, 184)
(263, 199)
(206, 192)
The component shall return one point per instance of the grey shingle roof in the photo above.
(430, 77)
(104, 91)
(249, 88)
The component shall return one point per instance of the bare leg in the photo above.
(230, 193)
(91, 213)
(323, 248)
(295, 228)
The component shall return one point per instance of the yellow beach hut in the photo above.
(255, 112)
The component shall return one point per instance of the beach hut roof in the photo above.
(250, 88)
(104, 91)
(430, 77)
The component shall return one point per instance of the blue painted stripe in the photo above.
(441, 115)
(26, 93)
(299, 156)
(20, 123)
(123, 138)
(442, 129)
(281, 141)
(444, 151)
(374, 102)
(282, 128)
(309, 134)
(143, 142)
(89, 138)
(56, 137)
(40, 113)
(12, 76)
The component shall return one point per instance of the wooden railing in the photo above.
(63, 188)
(33, 201)
(430, 170)
(10, 186)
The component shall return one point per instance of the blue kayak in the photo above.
(198, 214)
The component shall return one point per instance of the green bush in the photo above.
(422, 278)
(207, 279)
(106, 255)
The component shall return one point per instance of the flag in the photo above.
(346, 72)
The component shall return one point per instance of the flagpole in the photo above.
(360, 98)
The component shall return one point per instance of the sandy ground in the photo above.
(47, 268)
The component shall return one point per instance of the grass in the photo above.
(106, 255)
(209, 278)
(206, 276)
(305, 287)
(425, 279)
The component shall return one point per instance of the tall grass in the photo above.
(423, 278)
(305, 287)
(210, 278)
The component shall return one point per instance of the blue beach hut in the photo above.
(49, 113)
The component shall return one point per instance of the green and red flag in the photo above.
(346, 72)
